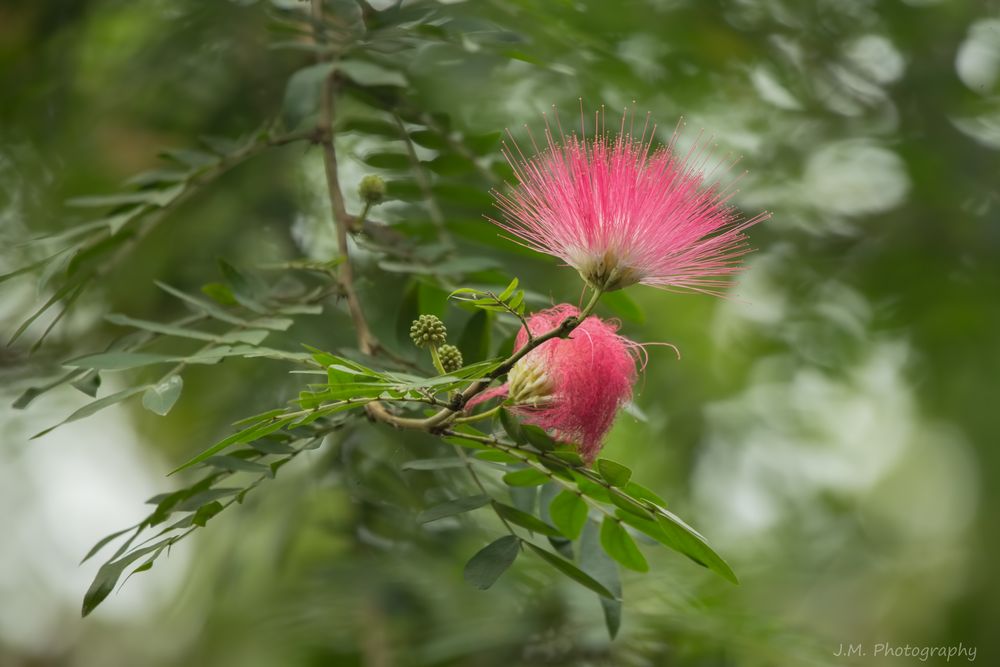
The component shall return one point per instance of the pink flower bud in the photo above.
(571, 387)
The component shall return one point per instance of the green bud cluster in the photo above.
(428, 331)
(372, 189)
(451, 358)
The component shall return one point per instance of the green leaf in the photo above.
(252, 336)
(571, 571)
(201, 305)
(627, 503)
(538, 438)
(220, 293)
(568, 512)
(614, 473)
(94, 406)
(302, 94)
(118, 361)
(110, 572)
(120, 199)
(592, 489)
(89, 383)
(495, 456)
(639, 491)
(160, 398)
(525, 477)
(474, 341)
(433, 464)
(429, 139)
(30, 267)
(245, 436)
(620, 545)
(508, 291)
(568, 456)
(103, 542)
(201, 498)
(596, 562)
(452, 507)
(194, 159)
(386, 160)
(525, 520)
(512, 426)
(482, 144)
(236, 464)
(449, 164)
(369, 74)
(690, 542)
(491, 561)
(272, 447)
(206, 512)
(369, 126)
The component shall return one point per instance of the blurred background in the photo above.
(831, 427)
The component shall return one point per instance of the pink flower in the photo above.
(620, 212)
(571, 387)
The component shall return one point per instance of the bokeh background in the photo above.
(831, 427)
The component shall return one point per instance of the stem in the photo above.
(436, 359)
(479, 483)
(474, 418)
(342, 222)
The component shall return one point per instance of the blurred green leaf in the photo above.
(452, 507)
(433, 464)
(369, 74)
(429, 139)
(525, 520)
(525, 477)
(387, 160)
(474, 341)
(302, 94)
(160, 398)
(236, 464)
(93, 407)
(595, 561)
(571, 571)
(491, 561)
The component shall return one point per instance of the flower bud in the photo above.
(372, 189)
(428, 331)
(570, 387)
(451, 358)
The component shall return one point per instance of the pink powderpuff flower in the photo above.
(621, 212)
(571, 387)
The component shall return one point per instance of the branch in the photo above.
(343, 223)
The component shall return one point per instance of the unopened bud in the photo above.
(372, 189)
(451, 358)
(428, 330)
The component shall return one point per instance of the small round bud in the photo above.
(372, 189)
(428, 330)
(451, 358)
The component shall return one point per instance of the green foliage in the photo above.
(491, 561)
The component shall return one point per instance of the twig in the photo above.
(342, 222)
